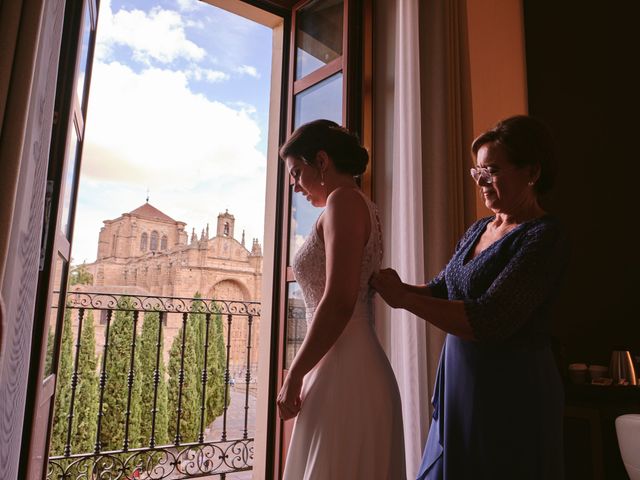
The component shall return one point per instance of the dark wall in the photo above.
(580, 62)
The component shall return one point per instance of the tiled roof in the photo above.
(150, 212)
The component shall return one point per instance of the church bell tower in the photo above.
(226, 223)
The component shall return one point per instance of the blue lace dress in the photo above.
(498, 401)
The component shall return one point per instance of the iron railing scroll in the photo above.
(215, 448)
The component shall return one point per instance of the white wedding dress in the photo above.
(350, 423)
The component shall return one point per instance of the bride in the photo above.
(340, 385)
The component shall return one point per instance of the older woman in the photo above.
(498, 396)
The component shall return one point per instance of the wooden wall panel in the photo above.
(497, 65)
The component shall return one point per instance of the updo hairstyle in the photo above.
(341, 145)
(527, 142)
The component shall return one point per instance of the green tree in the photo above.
(79, 275)
(63, 389)
(148, 355)
(49, 360)
(215, 402)
(86, 401)
(190, 400)
(118, 362)
(216, 355)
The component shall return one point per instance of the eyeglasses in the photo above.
(481, 173)
(486, 174)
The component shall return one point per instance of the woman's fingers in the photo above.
(388, 284)
(287, 410)
(288, 402)
(384, 278)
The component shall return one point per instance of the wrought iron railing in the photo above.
(218, 450)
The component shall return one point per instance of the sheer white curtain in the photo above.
(422, 138)
(408, 333)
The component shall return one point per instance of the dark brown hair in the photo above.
(341, 145)
(527, 142)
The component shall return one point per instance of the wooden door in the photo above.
(325, 81)
(72, 87)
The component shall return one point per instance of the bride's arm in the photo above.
(345, 224)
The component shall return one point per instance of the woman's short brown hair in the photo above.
(527, 142)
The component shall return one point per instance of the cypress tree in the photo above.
(63, 389)
(86, 400)
(216, 355)
(215, 403)
(79, 275)
(116, 389)
(49, 360)
(148, 353)
(190, 406)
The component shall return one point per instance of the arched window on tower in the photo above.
(226, 229)
(153, 244)
(143, 242)
(163, 243)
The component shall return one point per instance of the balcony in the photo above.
(155, 388)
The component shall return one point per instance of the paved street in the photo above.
(235, 425)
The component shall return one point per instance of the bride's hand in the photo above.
(289, 397)
(388, 284)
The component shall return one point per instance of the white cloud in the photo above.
(187, 5)
(206, 74)
(147, 129)
(215, 76)
(194, 72)
(151, 124)
(248, 70)
(155, 35)
(244, 106)
(199, 24)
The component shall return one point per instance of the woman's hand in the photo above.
(289, 402)
(388, 284)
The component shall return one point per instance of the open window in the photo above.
(328, 63)
(324, 65)
(72, 88)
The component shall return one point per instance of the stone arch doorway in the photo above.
(229, 290)
(243, 351)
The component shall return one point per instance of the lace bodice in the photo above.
(309, 266)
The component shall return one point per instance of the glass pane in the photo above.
(318, 35)
(50, 325)
(303, 217)
(323, 100)
(296, 322)
(84, 53)
(67, 187)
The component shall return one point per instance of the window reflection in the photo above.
(318, 35)
(303, 217)
(84, 53)
(50, 326)
(296, 322)
(323, 100)
(68, 186)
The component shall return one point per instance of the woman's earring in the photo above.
(322, 178)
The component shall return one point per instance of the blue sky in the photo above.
(179, 106)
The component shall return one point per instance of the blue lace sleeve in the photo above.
(527, 282)
(438, 285)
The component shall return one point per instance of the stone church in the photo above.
(146, 252)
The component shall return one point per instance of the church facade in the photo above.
(146, 252)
